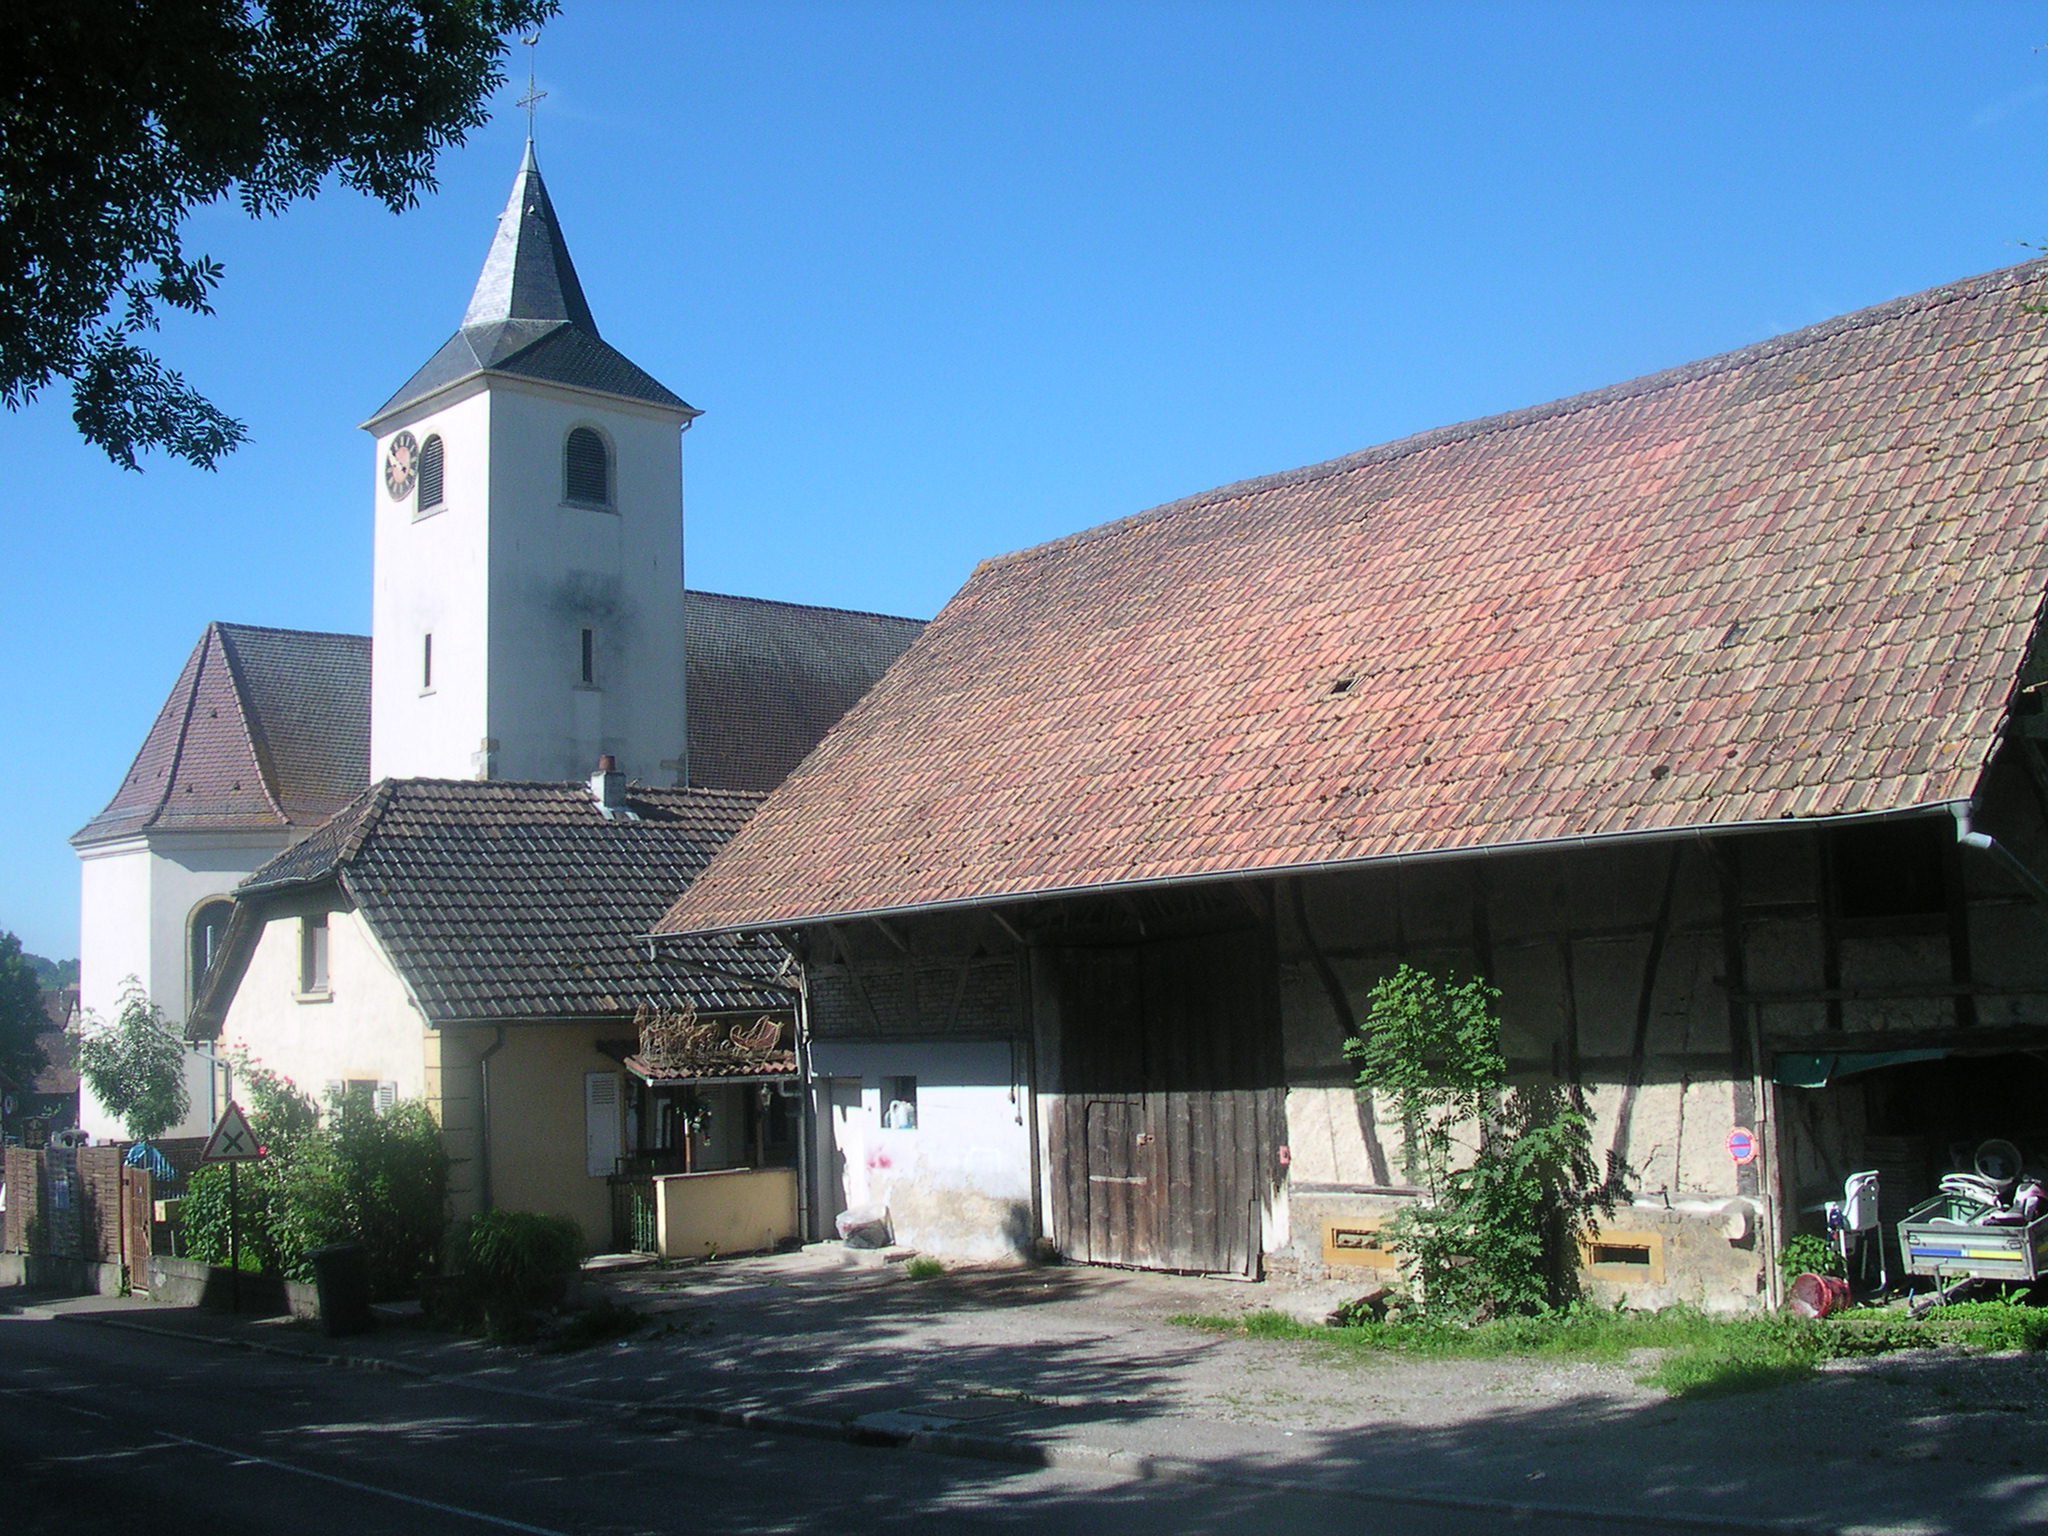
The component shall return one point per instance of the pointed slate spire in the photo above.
(528, 274)
(528, 317)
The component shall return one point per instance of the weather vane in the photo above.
(534, 93)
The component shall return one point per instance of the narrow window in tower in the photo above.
(586, 469)
(430, 473)
(589, 658)
(426, 663)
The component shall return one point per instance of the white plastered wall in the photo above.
(137, 898)
(365, 1028)
(507, 575)
(959, 1185)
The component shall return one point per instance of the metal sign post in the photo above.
(233, 1143)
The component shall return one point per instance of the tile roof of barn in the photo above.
(1796, 581)
(510, 901)
(265, 729)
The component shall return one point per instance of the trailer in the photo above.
(1939, 1239)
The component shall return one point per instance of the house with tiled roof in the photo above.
(531, 622)
(1699, 714)
(478, 945)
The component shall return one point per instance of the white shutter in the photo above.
(387, 1095)
(600, 1123)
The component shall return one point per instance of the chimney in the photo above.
(608, 785)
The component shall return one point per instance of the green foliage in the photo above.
(1701, 1355)
(1431, 1043)
(21, 1015)
(52, 974)
(1500, 1234)
(136, 1065)
(521, 1257)
(120, 119)
(924, 1268)
(1809, 1254)
(362, 1177)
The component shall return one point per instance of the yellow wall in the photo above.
(735, 1210)
(537, 1141)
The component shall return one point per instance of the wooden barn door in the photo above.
(1164, 1133)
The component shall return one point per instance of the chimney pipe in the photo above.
(608, 785)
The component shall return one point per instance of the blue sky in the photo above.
(948, 279)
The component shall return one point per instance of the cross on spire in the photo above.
(534, 94)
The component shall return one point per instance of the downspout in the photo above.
(806, 1175)
(483, 1120)
(1968, 835)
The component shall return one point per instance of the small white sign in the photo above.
(232, 1141)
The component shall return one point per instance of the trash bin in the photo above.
(341, 1276)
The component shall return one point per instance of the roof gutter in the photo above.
(1383, 860)
(1968, 835)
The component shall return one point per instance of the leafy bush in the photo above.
(1500, 1234)
(510, 1265)
(378, 1180)
(924, 1268)
(1807, 1254)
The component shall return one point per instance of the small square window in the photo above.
(313, 954)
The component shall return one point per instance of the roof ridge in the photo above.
(252, 731)
(184, 726)
(783, 602)
(275, 629)
(1550, 410)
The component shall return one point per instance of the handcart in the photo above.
(1945, 1239)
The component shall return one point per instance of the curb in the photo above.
(1075, 1457)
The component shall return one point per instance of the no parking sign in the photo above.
(1742, 1145)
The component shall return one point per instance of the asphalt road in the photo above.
(109, 1431)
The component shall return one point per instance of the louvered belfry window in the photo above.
(430, 472)
(587, 469)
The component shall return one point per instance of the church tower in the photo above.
(528, 611)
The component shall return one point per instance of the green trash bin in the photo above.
(341, 1276)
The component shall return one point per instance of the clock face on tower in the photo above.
(401, 466)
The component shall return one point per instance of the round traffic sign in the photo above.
(1742, 1145)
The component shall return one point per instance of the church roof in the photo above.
(1797, 581)
(503, 901)
(766, 680)
(265, 729)
(270, 728)
(528, 317)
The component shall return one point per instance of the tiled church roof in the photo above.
(266, 728)
(1795, 581)
(509, 901)
(766, 680)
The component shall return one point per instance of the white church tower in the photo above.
(528, 612)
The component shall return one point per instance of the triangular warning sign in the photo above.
(232, 1141)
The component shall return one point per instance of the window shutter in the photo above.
(431, 457)
(587, 469)
(600, 1123)
(387, 1096)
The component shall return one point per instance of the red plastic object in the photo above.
(1817, 1295)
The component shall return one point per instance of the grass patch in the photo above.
(1701, 1355)
(923, 1268)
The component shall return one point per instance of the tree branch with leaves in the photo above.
(118, 119)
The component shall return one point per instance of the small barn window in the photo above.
(587, 469)
(430, 473)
